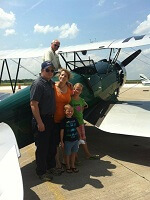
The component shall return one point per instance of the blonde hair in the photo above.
(66, 71)
(78, 84)
(67, 106)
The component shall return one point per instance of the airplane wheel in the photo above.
(117, 92)
(115, 95)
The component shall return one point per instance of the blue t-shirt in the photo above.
(70, 129)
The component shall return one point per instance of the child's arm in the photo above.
(61, 137)
(79, 132)
(85, 106)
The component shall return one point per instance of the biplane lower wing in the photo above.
(127, 118)
(11, 184)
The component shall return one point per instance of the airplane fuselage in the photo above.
(15, 109)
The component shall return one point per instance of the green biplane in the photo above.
(102, 81)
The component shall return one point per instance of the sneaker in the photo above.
(46, 177)
(54, 171)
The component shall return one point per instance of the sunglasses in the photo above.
(49, 70)
(56, 45)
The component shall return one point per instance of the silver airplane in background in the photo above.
(145, 81)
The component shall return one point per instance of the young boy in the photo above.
(79, 105)
(69, 137)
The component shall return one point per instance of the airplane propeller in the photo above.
(121, 66)
(131, 57)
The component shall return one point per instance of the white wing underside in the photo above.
(130, 118)
(11, 184)
(38, 52)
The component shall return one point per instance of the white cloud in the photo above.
(45, 29)
(144, 27)
(6, 19)
(101, 2)
(9, 32)
(66, 30)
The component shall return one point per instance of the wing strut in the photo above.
(116, 56)
(110, 55)
(16, 76)
(67, 65)
(80, 59)
(74, 59)
(5, 62)
(2, 71)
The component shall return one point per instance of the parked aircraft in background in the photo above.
(145, 81)
(102, 81)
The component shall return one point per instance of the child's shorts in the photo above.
(82, 130)
(71, 147)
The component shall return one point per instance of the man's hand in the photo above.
(62, 145)
(41, 127)
(36, 113)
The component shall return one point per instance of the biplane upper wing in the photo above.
(37, 52)
(22, 53)
(122, 43)
(133, 41)
(85, 47)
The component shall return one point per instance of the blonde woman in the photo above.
(63, 92)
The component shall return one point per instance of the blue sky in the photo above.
(35, 23)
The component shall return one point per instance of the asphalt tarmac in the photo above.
(121, 173)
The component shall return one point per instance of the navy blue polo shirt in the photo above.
(42, 91)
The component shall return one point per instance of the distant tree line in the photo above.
(21, 81)
(133, 81)
(29, 81)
